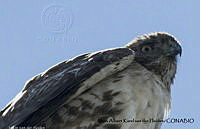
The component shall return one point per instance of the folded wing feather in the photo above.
(46, 92)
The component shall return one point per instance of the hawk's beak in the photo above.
(177, 49)
(174, 50)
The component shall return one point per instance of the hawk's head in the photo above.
(158, 53)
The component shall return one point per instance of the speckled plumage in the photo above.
(101, 90)
(127, 98)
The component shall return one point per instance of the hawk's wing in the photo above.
(44, 93)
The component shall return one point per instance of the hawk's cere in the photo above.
(101, 90)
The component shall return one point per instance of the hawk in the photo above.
(119, 88)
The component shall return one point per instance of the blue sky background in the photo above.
(29, 46)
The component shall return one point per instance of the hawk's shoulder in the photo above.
(62, 82)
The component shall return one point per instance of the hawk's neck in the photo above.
(165, 70)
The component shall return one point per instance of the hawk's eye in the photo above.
(146, 49)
